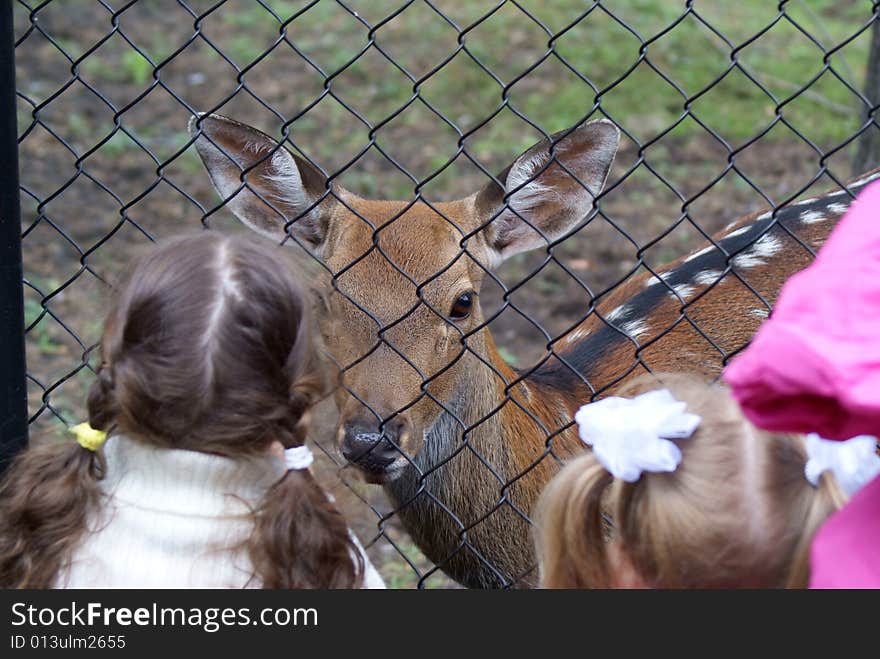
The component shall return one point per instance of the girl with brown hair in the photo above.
(681, 491)
(208, 373)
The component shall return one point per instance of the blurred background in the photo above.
(725, 108)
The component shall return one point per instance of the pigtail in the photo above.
(101, 403)
(571, 527)
(45, 499)
(797, 508)
(303, 395)
(300, 539)
(821, 502)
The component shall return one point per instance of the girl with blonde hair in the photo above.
(682, 491)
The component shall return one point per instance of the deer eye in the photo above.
(462, 307)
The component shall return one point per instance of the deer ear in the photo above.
(270, 190)
(545, 201)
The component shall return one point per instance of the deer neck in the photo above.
(482, 454)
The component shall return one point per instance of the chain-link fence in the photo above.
(723, 109)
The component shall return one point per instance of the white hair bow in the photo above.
(298, 457)
(853, 462)
(631, 435)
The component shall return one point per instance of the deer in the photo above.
(462, 442)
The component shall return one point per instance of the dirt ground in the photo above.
(93, 197)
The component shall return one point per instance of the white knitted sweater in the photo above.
(175, 519)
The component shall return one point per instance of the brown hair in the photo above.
(208, 348)
(737, 512)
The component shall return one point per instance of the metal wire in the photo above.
(105, 22)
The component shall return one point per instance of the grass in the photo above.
(120, 64)
(136, 67)
(398, 573)
(118, 144)
(641, 62)
(45, 342)
(645, 65)
(682, 52)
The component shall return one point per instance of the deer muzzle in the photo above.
(377, 452)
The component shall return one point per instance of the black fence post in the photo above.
(13, 389)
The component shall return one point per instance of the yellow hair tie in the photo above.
(88, 437)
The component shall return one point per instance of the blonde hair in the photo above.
(738, 511)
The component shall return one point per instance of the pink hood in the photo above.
(814, 366)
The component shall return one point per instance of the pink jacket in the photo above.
(815, 367)
(846, 550)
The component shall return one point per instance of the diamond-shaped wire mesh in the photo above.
(724, 109)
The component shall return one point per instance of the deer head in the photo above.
(404, 322)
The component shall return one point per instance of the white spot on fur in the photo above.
(616, 313)
(635, 328)
(813, 200)
(663, 276)
(856, 184)
(682, 291)
(707, 277)
(702, 252)
(767, 246)
(837, 209)
(862, 181)
(759, 313)
(746, 260)
(578, 334)
(811, 217)
(738, 232)
(762, 216)
(762, 249)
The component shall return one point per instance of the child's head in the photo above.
(207, 347)
(737, 511)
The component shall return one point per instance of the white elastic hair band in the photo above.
(854, 462)
(630, 436)
(298, 457)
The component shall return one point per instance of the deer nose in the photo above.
(371, 450)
